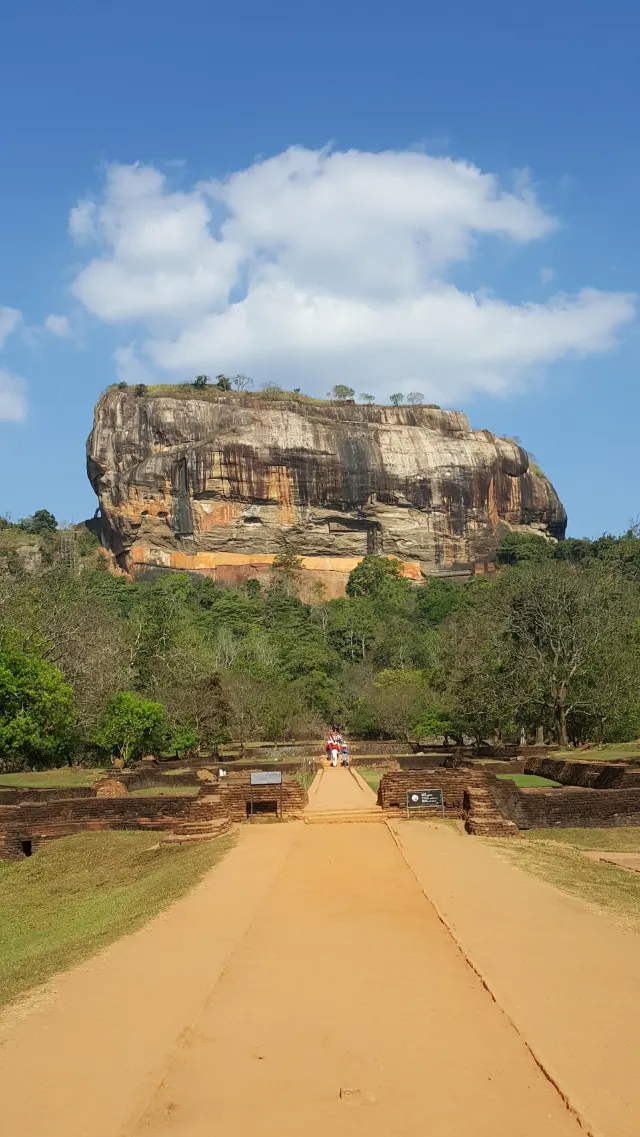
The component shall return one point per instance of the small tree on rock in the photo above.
(242, 382)
(415, 398)
(340, 392)
(397, 399)
(200, 382)
(364, 398)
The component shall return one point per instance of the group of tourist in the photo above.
(336, 747)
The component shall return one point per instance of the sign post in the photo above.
(265, 778)
(425, 799)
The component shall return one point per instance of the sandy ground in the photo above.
(309, 987)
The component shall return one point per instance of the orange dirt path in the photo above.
(348, 981)
(338, 788)
(308, 963)
(567, 975)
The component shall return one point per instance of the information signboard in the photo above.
(266, 777)
(425, 799)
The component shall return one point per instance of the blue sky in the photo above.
(398, 244)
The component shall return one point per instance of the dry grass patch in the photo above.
(76, 895)
(609, 752)
(612, 890)
(623, 840)
(52, 779)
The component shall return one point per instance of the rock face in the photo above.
(220, 483)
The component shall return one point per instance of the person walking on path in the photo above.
(334, 754)
(345, 754)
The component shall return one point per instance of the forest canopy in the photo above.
(94, 666)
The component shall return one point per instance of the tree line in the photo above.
(93, 666)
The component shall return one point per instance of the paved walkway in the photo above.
(309, 987)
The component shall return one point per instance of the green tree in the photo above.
(397, 399)
(130, 726)
(36, 711)
(415, 398)
(372, 575)
(184, 740)
(200, 382)
(523, 548)
(42, 522)
(341, 392)
(437, 599)
(364, 398)
(223, 382)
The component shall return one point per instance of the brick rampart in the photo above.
(577, 808)
(46, 820)
(592, 775)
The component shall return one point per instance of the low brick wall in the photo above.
(577, 808)
(46, 820)
(593, 775)
(515, 766)
(236, 793)
(393, 789)
(373, 762)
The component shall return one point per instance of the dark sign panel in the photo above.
(425, 799)
(266, 777)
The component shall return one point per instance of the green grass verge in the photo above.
(52, 779)
(614, 891)
(371, 777)
(610, 752)
(76, 895)
(528, 779)
(166, 791)
(623, 840)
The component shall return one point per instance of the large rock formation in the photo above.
(220, 483)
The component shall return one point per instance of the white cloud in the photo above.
(81, 222)
(315, 265)
(9, 320)
(546, 275)
(13, 403)
(58, 326)
(129, 368)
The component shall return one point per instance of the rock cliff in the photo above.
(219, 483)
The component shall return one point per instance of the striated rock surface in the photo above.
(218, 483)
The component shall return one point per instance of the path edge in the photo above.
(545, 1070)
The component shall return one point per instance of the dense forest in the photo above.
(93, 666)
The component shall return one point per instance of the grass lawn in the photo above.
(610, 752)
(623, 840)
(371, 777)
(75, 895)
(166, 791)
(614, 891)
(52, 779)
(525, 780)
